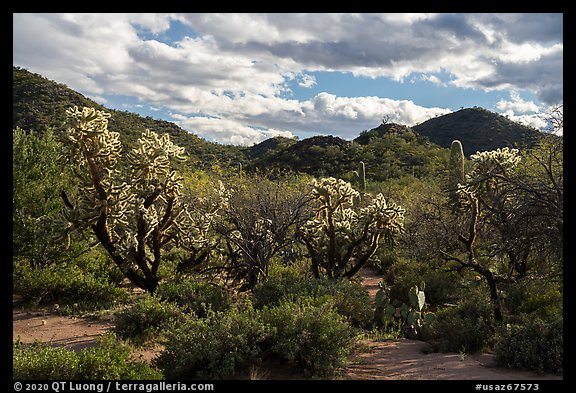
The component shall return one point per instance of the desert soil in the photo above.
(387, 360)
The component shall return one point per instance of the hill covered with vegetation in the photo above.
(388, 151)
(39, 103)
(479, 130)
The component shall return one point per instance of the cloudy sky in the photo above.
(242, 78)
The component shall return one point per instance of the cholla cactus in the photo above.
(134, 209)
(484, 191)
(341, 238)
(495, 163)
(491, 169)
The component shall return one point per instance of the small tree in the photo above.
(260, 223)
(133, 206)
(343, 236)
(36, 185)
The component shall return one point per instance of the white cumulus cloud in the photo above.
(230, 76)
(516, 104)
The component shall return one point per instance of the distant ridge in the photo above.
(479, 130)
(39, 103)
(388, 150)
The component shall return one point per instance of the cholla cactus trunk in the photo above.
(455, 169)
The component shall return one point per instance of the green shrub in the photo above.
(215, 347)
(40, 361)
(310, 333)
(282, 281)
(147, 319)
(285, 283)
(535, 345)
(108, 360)
(441, 287)
(541, 299)
(195, 296)
(467, 327)
(68, 285)
(350, 300)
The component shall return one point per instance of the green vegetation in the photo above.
(409, 317)
(479, 130)
(288, 283)
(467, 326)
(217, 347)
(146, 320)
(533, 344)
(109, 360)
(195, 296)
(252, 257)
(69, 286)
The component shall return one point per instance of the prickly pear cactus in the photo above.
(409, 317)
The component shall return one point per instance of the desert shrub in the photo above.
(98, 263)
(467, 326)
(67, 285)
(40, 361)
(310, 333)
(108, 360)
(534, 345)
(282, 281)
(384, 259)
(226, 344)
(147, 319)
(441, 287)
(286, 283)
(350, 299)
(194, 296)
(216, 347)
(541, 299)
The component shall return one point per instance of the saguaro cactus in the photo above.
(455, 168)
(362, 176)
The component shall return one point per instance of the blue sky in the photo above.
(242, 78)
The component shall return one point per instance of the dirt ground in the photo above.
(388, 360)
